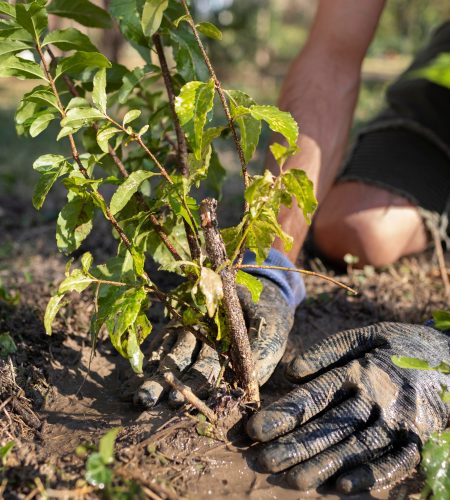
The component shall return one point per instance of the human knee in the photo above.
(359, 234)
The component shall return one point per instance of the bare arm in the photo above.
(320, 91)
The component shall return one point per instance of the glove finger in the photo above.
(179, 358)
(341, 348)
(299, 405)
(199, 376)
(316, 436)
(361, 447)
(380, 473)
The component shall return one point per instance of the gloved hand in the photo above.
(355, 413)
(269, 322)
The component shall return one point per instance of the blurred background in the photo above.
(260, 39)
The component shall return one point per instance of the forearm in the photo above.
(320, 91)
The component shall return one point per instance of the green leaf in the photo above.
(210, 30)
(21, 69)
(42, 95)
(53, 306)
(297, 184)
(79, 117)
(128, 188)
(99, 90)
(12, 46)
(69, 39)
(419, 364)
(97, 472)
(106, 445)
(86, 261)
(122, 315)
(281, 153)
(77, 281)
(441, 319)
(278, 121)
(81, 11)
(41, 123)
(126, 13)
(74, 223)
(250, 128)
(152, 15)
(253, 285)
(436, 465)
(7, 345)
(130, 116)
(104, 134)
(5, 450)
(190, 64)
(192, 105)
(80, 61)
(7, 9)
(32, 17)
(50, 167)
(134, 353)
(211, 286)
(437, 71)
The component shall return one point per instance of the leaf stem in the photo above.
(295, 270)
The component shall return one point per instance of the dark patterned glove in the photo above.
(269, 322)
(355, 413)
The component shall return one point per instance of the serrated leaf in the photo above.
(99, 90)
(104, 134)
(69, 39)
(41, 123)
(209, 29)
(281, 153)
(297, 184)
(210, 285)
(152, 15)
(53, 306)
(32, 17)
(131, 115)
(81, 11)
(106, 445)
(278, 121)
(21, 69)
(252, 283)
(74, 223)
(80, 61)
(128, 188)
(50, 167)
(97, 472)
(77, 281)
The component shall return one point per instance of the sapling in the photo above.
(150, 133)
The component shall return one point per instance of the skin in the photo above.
(320, 91)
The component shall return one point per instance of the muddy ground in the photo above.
(50, 404)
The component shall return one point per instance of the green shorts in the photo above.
(406, 148)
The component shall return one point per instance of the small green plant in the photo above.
(98, 464)
(7, 345)
(149, 132)
(5, 451)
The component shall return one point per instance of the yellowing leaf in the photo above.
(211, 286)
(152, 15)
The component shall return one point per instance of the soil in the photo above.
(51, 402)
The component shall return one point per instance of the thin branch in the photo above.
(155, 222)
(221, 96)
(190, 397)
(182, 154)
(295, 270)
(181, 139)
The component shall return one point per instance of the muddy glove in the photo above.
(355, 413)
(269, 322)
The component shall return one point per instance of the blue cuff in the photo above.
(291, 284)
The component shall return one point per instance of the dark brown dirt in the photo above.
(50, 404)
